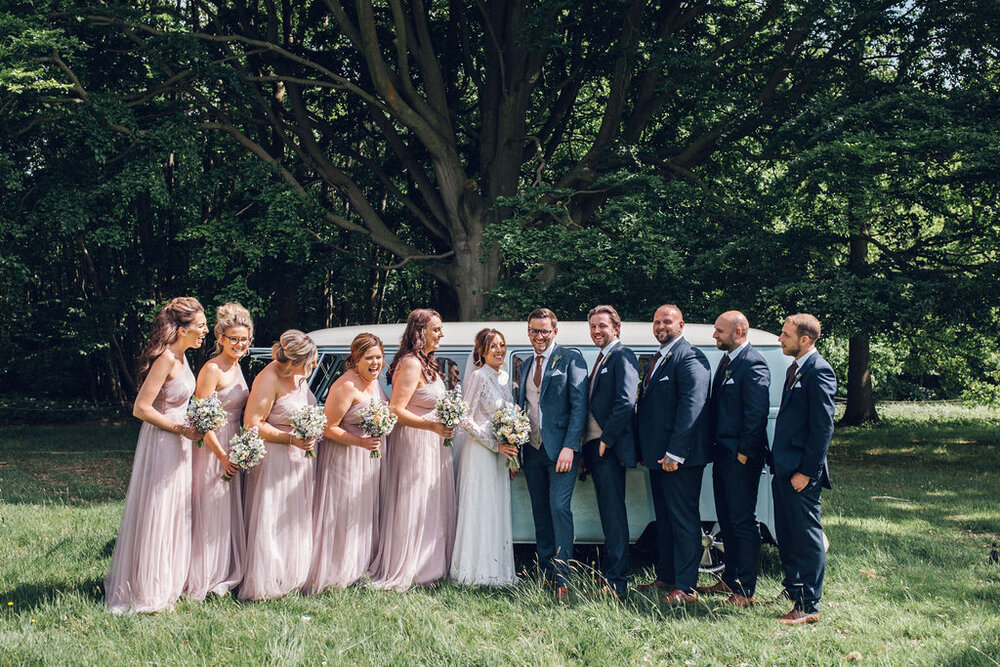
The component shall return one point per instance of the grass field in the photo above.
(911, 519)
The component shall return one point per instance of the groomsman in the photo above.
(802, 435)
(609, 443)
(553, 391)
(738, 410)
(672, 429)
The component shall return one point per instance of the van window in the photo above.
(330, 367)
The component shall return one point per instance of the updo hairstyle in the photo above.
(227, 316)
(293, 348)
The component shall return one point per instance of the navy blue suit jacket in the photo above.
(562, 400)
(740, 405)
(672, 412)
(804, 425)
(612, 403)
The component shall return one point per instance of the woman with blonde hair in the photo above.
(417, 520)
(153, 550)
(345, 513)
(279, 490)
(218, 543)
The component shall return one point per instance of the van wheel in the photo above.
(712, 549)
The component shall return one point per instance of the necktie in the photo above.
(593, 373)
(791, 375)
(537, 379)
(649, 370)
(720, 372)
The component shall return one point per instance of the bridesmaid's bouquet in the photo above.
(377, 420)
(452, 409)
(246, 449)
(308, 423)
(510, 424)
(206, 414)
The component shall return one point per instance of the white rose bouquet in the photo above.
(510, 424)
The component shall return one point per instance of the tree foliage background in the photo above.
(330, 163)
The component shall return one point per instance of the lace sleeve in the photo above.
(482, 406)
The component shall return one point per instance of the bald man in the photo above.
(738, 410)
(672, 430)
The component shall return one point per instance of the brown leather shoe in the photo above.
(677, 596)
(654, 584)
(562, 593)
(737, 600)
(797, 617)
(718, 588)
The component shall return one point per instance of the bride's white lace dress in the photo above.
(484, 549)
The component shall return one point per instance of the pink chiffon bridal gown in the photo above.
(345, 514)
(153, 550)
(278, 509)
(218, 541)
(417, 520)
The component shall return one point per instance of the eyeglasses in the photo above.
(238, 341)
(541, 333)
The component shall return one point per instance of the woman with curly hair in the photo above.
(417, 521)
(153, 550)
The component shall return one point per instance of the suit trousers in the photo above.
(678, 525)
(609, 484)
(735, 485)
(800, 541)
(551, 493)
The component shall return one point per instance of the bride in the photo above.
(484, 549)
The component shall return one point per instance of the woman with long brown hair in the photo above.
(279, 490)
(484, 545)
(218, 547)
(345, 510)
(153, 550)
(417, 521)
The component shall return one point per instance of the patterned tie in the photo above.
(649, 370)
(537, 379)
(791, 375)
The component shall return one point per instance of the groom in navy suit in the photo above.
(553, 391)
(738, 408)
(802, 435)
(609, 443)
(672, 429)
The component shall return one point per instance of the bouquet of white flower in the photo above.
(510, 424)
(308, 423)
(206, 414)
(246, 449)
(377, 420)
(452, 409)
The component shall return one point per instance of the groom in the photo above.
(553, 391)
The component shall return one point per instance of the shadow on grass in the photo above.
(34, 595)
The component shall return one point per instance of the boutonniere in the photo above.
(668, 355)
(728, 374)
(795, 380)
(555, 359)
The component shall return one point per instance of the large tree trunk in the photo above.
(860, 399)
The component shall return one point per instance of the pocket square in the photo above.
(664, 378)
(603, 371)
(730, 381)
(797, 385)
(557, 372)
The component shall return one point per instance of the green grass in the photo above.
(911, 518)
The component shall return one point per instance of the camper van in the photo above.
(456, 346)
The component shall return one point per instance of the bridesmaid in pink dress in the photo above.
(218, 541)
(417, 520)
(153, 549)
(279, 491)
(345, 513)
